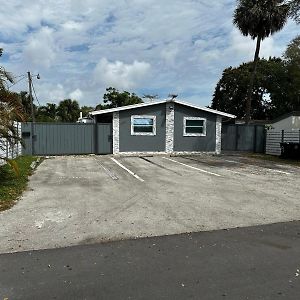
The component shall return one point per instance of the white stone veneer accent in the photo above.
(116, 133)
(169, 127)
(218, 134)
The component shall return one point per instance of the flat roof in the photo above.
(127, 107)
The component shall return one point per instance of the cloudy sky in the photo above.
(143, 46)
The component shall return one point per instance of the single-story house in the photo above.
(167, 126)
(287, 122)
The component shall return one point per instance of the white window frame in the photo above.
(142, 117)
(197, 119)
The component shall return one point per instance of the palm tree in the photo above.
(11, 110)
(295, 10)
(259, 19)
(68, 110)
(4, 76)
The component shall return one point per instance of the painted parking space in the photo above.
(76, 200)
(257, 166)
(142, 167)
(192, 167)
(243, 168)
(127, 169)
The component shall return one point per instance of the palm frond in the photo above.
(260, 17)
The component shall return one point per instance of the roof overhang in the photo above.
(140, 105)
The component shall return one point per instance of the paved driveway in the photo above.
(78, 200)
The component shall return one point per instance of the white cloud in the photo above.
(40, 49)
(76, 95)
(169, 55)
(48, 92)
(71, 25)
(146, 46)
(119, 74)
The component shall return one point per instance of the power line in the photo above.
(19, 76)
(35, 94)
(17, 81)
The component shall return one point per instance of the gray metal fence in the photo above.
(274, 138)
(250, 138)
(10, 150)
(66, 138)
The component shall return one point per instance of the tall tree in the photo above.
(5, 76)
(47, 113)
(25, 102)
(269, 93)
(259, 19)
(68, 110)
(292, 60)
(86, 110)
(295, 10)
(114, 98)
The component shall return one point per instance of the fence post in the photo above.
(95, 138)
(255, 139)
(236, 137)
(32, 140)
(265, 139)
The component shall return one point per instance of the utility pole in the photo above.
(30, 96)
(32, 112)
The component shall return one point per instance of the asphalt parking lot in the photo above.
(90, 199)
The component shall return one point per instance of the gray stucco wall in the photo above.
(140, 143)
(189, 143)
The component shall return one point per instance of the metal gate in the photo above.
(249, 138)
(66, 138)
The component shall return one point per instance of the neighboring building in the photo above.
(287, 122)
(168, 126)
(85, 120)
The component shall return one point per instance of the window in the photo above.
(194, 126)
(143, 125)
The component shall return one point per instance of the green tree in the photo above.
(269, 93)
(259, 19)
(5, 76)
(294, 12)
(47, 113)
(25, 101)
(292, 60)
(86, 110)
(113, 98)
(68, 110)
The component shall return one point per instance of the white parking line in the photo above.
(109, 172)
(232, 161)
(201, 170)
(273, 170)
(126, 169)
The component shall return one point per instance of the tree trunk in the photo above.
(250, 88)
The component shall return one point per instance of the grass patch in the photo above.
(12, 185)
(272, 158)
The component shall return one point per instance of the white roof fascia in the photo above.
(127, 107)
(217, 112)
(111, 110)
